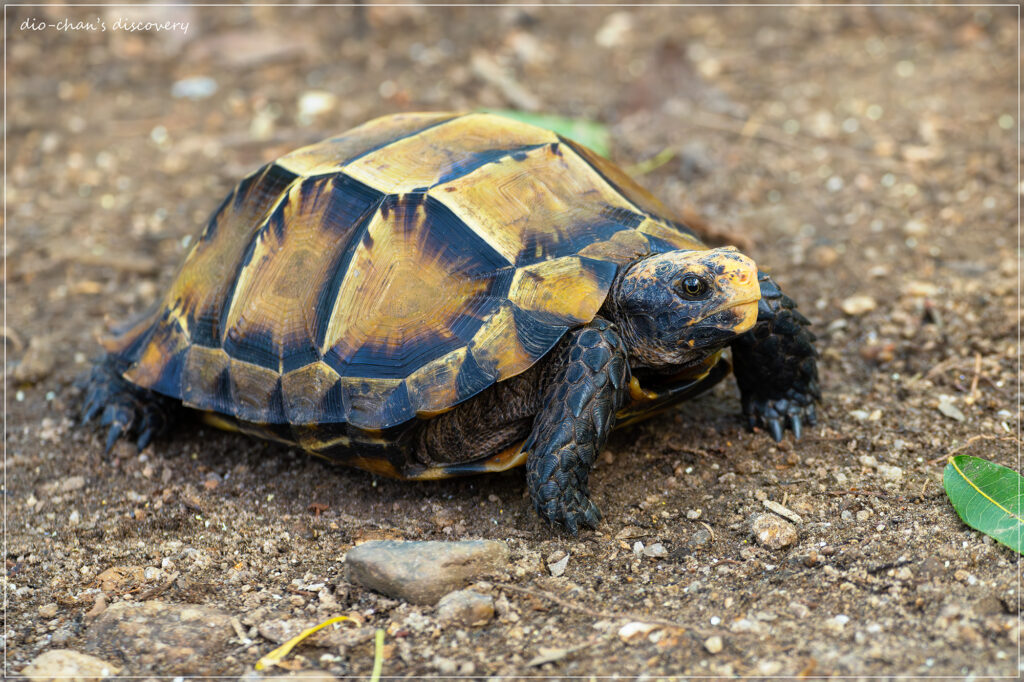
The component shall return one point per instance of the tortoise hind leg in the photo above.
(128, 410)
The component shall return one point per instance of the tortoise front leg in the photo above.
(589, 383)
(776, 365)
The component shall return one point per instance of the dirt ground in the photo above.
(864, 155)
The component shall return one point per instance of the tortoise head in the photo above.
(676, 308)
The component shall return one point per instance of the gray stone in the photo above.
(699, 538)
(465, 607)
(423, 572)
(156, 636)
(67, 665)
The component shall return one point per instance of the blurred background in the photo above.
(866, 156)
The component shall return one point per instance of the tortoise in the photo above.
(439, 294)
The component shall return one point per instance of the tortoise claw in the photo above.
(775, 428)
(796, 425)
(112, 435)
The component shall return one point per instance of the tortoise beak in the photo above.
(737, 280)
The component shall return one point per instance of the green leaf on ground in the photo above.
(988, 497)
(588, 133)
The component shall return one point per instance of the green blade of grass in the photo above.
(588, 133)
(988, 497)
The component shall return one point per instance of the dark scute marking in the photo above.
(220, 400)
(449, 238)
(348, 203)
(397, 408)
(224, 305)
(276, 413)
(543, 246)
(474, 160)
(332, 405)
(553, 147)
(623, 216)
(659, 245)
(298, 354)
(276, 221)
(348, 213)
(384, 361)
(536, 334)
(264, 186)
(481, 306)
(203, 328)
(683, 228)
(255, 345)
(211, 225)
(378, 408)
(312, 188)
(169, 381)
(391, 141)
(603, 272)
(472, 378)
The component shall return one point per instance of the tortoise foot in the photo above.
(126, 409)
(774, 415)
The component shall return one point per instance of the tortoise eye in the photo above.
(693, 287)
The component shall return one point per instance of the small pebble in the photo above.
(48, 611)
(890, 473)
(700, 538)
(67, 664)
(465, 607)
(713, 644)
(557, 569)
(631, 632)
(858, 305)
(657, 551)
(194, 88)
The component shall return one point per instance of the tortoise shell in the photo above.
(393, 272)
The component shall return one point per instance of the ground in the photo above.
(864, 155)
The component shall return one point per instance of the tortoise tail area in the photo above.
(128, 410)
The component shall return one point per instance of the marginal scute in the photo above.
(255, 393)
(306, 390)
(206, 380)
(432, 388)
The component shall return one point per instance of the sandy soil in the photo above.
(864, 155)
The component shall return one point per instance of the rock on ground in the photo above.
(465, 607)
(158, 637)
(67, 665)
(773, 532)
(423, 572)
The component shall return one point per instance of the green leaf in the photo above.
(987, 496)
(588, 133)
